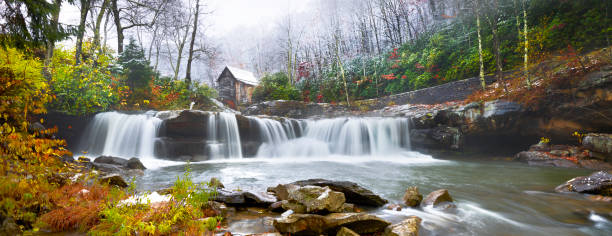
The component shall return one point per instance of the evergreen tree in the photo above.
(28, 23)
(136, 68)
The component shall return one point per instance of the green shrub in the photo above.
(275, 87)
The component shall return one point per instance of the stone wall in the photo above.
(453, 91)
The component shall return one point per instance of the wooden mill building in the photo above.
(235, 86)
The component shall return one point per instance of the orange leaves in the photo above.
(78, 207)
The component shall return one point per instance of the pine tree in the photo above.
(31, 28)
(136, 68)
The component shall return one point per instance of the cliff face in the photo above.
(440, 123)
(494, 125)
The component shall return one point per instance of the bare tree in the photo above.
(85, 5)
(193, 38)
(493, 16)
(481, 74)
(135, 13)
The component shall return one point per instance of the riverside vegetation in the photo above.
(41, 191)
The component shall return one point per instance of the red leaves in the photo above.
(389, 76)
(304, 70)
(394, 54)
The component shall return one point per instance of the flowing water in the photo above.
(493, 197)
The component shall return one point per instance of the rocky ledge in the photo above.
(598, 184)
(323, 207)
(110, 170)
(594, 153)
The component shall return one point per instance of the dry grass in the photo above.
(553, 74)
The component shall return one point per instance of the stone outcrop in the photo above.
(296, 109)
(600, 145)
(313, 199)
(244, 197)
(344, 231)
(352, 191)
(311, 224)
(412, 197)
(408, 227)
(118, 165)
(437, 197)
(586, 156)
(114, 180)
(597, 183)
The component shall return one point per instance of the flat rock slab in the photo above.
(312, 224)
(597, 183)
(244, 197)
(352, 191)
(408, 227)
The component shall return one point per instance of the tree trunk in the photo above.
(193, 37)
(373, 24)
(498, 60)
(96, 42)
(118, 26)
(526, 56)
(481, 74)
(180, 46)
(81, 31)
(57, 4)
(348, 103)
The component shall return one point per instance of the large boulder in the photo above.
(599, 143)
(8, 226)
(244, 198)
(538, 158)
(597, 183)
(436, 197)
(302, 224)
(412, 197)
(344, 231)
(315, 199)
(311, 224)
(352, 191)
(114, 180)
(111, 160)
(135, 164)
(408, 227)
(119, 163)
(360, 223)
(442, 137)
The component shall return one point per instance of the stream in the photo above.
(492, 195)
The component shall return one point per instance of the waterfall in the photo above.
(121, 135)
(136, 135)
(344, 136)
(274, 133)
(223, 136)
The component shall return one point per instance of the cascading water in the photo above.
(223, 136)
(121, 135)
(344, 136)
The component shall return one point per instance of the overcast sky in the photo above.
(231, 25)
(231, 14)
(228, 15)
